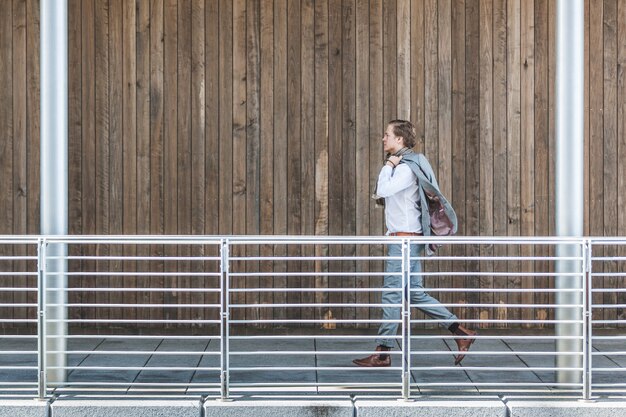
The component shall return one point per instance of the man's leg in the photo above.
(433, 308)
(392, 295)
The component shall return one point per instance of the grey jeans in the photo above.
(436, 311)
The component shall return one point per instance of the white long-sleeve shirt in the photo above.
(399, 189)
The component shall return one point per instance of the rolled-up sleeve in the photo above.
(391, 181)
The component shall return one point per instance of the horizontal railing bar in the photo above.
(354, 289)
(128, 321)
(136, 368)
(608, 306)
(312, 368)
(608, 274)
(609, 369)
(498, 384)
(497, 353)
(131, 384)
(312, 258)
(316, 321)
(18, 258)
(90, 289)
(494, 368)
(502, 274)
(294, 305)
(608, 321)
(18, 289)
(609, 353)
(18, 274)
(496, 258)
(313, 273)
(135, 352)
(18, 320)
(500, 337)
(349, 305)
(132, 274)
(498, 321)
(18, 352)
(286, 337)
(18, 305)
(100, 336)
(136, 258)
(182, 305)
(309, 352)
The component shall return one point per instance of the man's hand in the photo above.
(395, 160)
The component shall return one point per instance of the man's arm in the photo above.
(391, 181)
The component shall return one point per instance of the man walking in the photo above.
(402, 183)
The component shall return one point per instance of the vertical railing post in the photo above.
(41, 319)
(224, 321)
(406, 319)
(588, 330)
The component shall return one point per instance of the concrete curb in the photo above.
(126, 408)
(431, 407)
(276, 408)
(566, 408)
(23, 408)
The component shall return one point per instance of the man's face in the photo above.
(391, 142)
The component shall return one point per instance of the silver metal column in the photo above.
(54, 160)
(569, 178)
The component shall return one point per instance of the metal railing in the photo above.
(195, 315)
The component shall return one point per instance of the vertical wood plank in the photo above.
(102, 120)
(587, 54)
(321, 145)
(294, 134)
(513, 144)
(266, 221)
(212, 138)
(335, 117)
(431, 118)
(226, 116)
(621, 138)
(610, 146)
(403, 62)
(253, 84)
(527, 153)
(6, 147)
(162, 95)
(499, 145)
(19, 186)
(143, 145)
(32, 103)
(417, 71)
(198, 149)
(156, 34)
(348, 148)
(458, 137)
(542, 150)
(376, 128)
(472, 148)
(486, 149)
(280, 146)
(362, 173)
(431, 98)
(444, 110)
(239, 117)
(116, 166)
(308, 146)
(88, 164)
(596, 159)
(184, 147)
(129, 146)
(19, 172)
(74, 135)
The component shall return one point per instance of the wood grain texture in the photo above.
(264, 117)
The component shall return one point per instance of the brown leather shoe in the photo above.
(375, 360)
(463, 344)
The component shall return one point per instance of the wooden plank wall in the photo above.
(264, 117)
